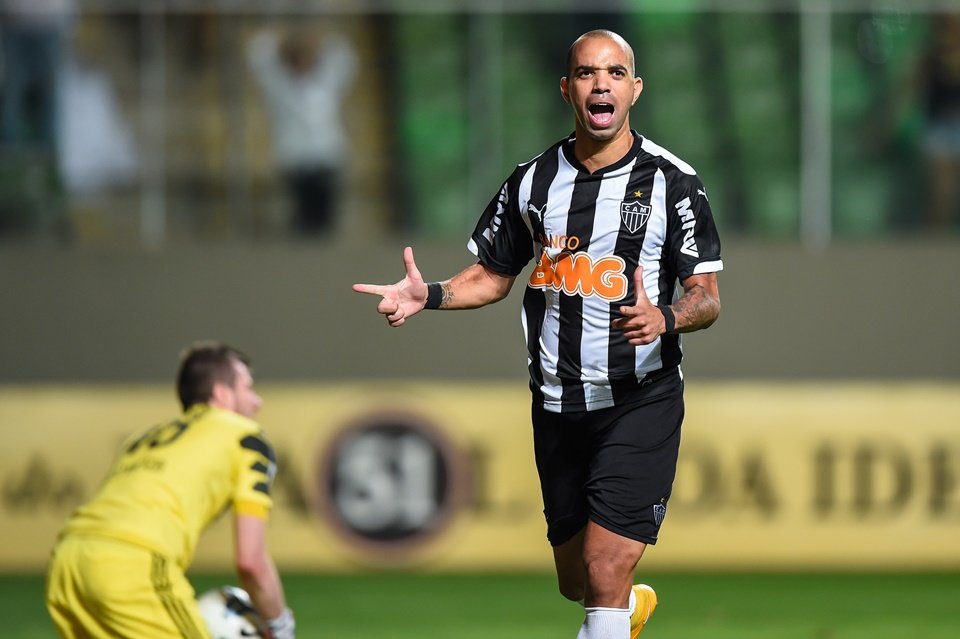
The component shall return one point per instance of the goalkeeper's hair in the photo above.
(204, 364)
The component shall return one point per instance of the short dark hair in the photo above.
(202, 365)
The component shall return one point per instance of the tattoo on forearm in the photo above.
(696, 309)
(446, 295)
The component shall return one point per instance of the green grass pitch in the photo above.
(497, 606)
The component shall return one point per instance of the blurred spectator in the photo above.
(304, 82)
(96, 149)
(32, 34)
(939, 83)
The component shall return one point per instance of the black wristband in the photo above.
(434, 295)
(669, 319)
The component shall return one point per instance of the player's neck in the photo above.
(598, 154)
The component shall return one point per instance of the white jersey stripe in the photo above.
(558, 197)
(648, 357)
(653, 148)
(708, 267)
(524, 196)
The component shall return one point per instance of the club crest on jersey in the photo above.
(634, 215)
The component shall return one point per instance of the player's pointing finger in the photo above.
(370, 289)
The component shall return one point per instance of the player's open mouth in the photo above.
(601, 114)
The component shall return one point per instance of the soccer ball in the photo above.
(228, 613)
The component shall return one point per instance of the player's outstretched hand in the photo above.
(643, 322)
(402, 300)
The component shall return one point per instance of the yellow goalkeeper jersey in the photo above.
(170, 482)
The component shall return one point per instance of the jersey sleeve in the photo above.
(258, 467)
(692, 237)
(502, 241)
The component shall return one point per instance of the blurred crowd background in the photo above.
(155, 123)
(187, 169)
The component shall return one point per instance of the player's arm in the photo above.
(697, 308)
(259, 577)
(473, 287)
(699, 305)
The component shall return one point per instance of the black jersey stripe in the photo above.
(258, 444)
(534, 300)
(534, 309)
(670, 349)
(580, 219)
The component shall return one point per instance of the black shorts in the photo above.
(613, 466)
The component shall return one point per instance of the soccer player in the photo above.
(614, 221)
(118, 566)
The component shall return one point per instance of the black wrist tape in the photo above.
(434, 295)
(669, 318)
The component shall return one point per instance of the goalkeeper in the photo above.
(118, 567)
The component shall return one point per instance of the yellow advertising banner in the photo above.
(440, 476)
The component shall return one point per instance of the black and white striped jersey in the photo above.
(588, 232)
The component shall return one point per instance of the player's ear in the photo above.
(637, 89)
(565, 89)
(220, 395)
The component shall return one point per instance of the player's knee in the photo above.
(606, 579)
(601, 570)
(572, 590)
